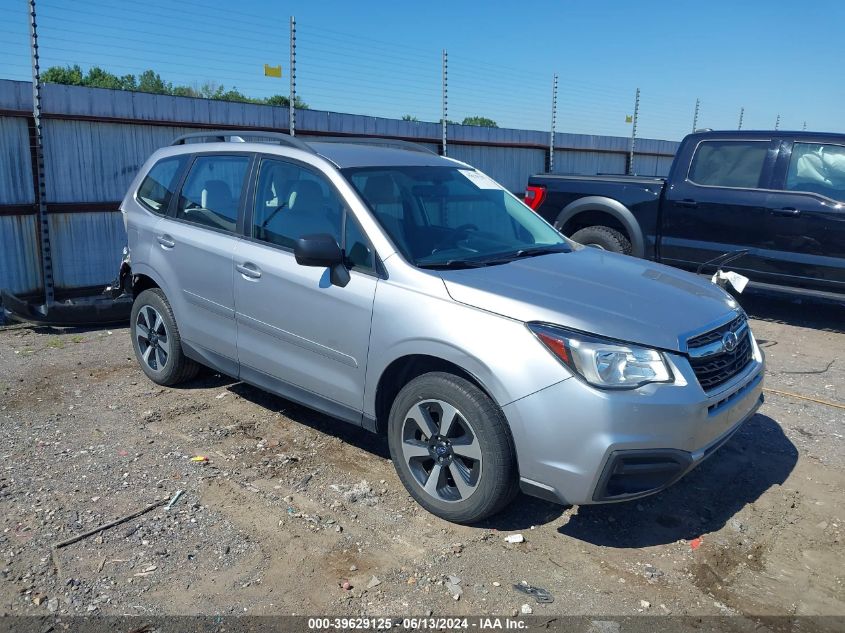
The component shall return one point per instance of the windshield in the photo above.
(452, 216)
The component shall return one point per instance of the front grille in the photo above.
(718, 368)
(715, 335)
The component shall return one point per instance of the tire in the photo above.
(489, 482)
(605, 238)
(163, 360)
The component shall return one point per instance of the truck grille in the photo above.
(712, 363)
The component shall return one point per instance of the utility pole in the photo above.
(741, 114)
(38, 149)
(634, 133)
(554, 120)
(291, 105)
(695, 116)
(445, 105)
(777, 122)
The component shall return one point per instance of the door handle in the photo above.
(788, 212)
(248, 269)
(165, 240)
(687, 202)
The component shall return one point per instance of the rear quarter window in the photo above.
(158, 187)
(737, 164)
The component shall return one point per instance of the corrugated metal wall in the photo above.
(95, 140)
(87, 248)
(95, 162)
(20, 268)
(15, 165)
(507, 165)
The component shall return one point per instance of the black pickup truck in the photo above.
(780, 196)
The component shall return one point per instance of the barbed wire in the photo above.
(343, 71)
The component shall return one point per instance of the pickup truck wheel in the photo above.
(156, 340)
(605, 238)
(451, 446)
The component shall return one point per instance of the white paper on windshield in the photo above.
(480, 180)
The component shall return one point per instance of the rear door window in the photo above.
(212, 191)
(737, 164)
(817, 168)
(157, 188)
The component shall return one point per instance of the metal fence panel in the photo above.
(15, 95)
(15, 166)
(588, 163)
(20, 266)
(509, 166)
(95, 162)
(87, 248)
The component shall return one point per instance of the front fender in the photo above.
(500, 353)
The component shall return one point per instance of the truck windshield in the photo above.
(452, 217)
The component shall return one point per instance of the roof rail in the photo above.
(236, 136)
(374, 140)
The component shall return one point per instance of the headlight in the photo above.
(601, 362)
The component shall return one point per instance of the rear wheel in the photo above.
(452, 449)
(156, 340)
(604, 238)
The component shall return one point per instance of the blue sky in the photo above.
(384, 58)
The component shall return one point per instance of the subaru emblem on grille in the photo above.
(729, 341)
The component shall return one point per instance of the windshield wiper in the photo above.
(494, 261)
(529, 252)
(460, 263)
(540, 250)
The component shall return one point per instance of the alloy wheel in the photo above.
(441, 450)
(152, 337)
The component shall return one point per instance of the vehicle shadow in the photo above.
(818, 315)
(756, 458)
(349, 433)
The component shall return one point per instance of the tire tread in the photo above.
(620, 243)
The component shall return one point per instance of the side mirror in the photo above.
(322, 251)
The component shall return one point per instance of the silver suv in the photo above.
(412, 295)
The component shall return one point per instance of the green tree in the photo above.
(281, 100)
(151, 81)
(99, 78)
(69, 75)
(185, 91)
(409, 117)
(483, 121)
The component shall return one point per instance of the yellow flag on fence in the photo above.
(273, 71)
(628, 118)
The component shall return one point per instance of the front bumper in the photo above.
(580, 445)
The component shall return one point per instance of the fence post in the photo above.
(291, 105)
(741, 113)
(777, 122)
(805, 126)
(38, 164)
(445, 105)
(554, 120)
(695, 116)
(634, 134)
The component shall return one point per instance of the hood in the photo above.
(594, 291)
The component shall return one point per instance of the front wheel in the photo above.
(451, 446)
(156, 340)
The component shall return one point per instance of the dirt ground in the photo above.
(291, 504)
